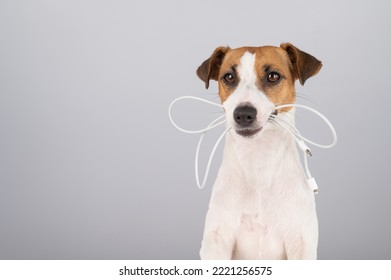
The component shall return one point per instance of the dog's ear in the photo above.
(210, 68)
(304, 65)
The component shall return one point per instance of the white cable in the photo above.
(301, 140)
(334, 133)
(201, 186)
(296, 134)
(212, 125)
(274, 118)
(198, 99)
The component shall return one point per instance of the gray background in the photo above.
(91, 168)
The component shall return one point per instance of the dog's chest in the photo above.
(264, 180)
(260, 225)
(259, 162)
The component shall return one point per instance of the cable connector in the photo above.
(313, 185)
(303, 146)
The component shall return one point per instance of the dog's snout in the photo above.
(245, 115)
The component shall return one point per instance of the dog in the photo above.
(261, 206)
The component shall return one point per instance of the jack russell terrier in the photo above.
(261, 205)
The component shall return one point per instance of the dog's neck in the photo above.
(261, 158)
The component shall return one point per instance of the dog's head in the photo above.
(253, 80)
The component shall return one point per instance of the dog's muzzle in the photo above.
(245, 117)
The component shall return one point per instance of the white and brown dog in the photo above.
(261, 205)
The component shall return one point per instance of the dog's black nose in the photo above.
(245, 115)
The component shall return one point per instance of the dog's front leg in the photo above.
(302, 252)
(218, 241)
(217, 245)
(303, 246)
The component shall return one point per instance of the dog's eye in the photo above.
(273, 77)
(229, 78)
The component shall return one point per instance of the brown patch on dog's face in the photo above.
(273, 72)
(229, 67)
(276, 70)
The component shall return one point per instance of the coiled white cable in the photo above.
(202, 185)
(297, 133)
(300, 140)
(273, 118)
(212, 125)
(209, 127)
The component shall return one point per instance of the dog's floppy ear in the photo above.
(304, 65)
(210, 68)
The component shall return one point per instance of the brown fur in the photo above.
(290, 62)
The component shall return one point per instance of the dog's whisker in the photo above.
(273, 121)
(289, 113)
(214, 95)
(305, 97)
(216, 112)
(285, 112)
(298, 118)
(282, 122)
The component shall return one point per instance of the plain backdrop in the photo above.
(90, 166)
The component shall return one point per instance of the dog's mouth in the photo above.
(248, 132)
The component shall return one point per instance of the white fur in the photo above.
(261, 206)
(247, 92)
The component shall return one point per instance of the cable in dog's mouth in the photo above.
(248, 132)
